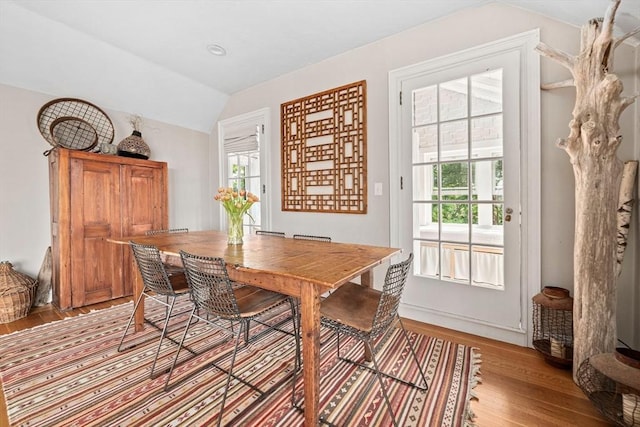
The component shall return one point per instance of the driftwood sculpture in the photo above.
(603, 183)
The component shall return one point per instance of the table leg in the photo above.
(310, 317)
(137, 290)
(366, 280)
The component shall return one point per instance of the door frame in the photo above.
(530, 223)
(262, 117)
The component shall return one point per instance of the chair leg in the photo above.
(296, 332)
(379, 377)
(175, 359)
(133, 313)
(243, 325)
(168, 311)
(393, 377)
(246, 332)
(415, 358)
(296, 327)
(298, 360)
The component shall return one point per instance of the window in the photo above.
(457, 161)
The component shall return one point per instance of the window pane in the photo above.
(487, 225)
(486, 93)
(486, 178)
(423, 184)
(425, 221)
(454, 181)
(455, 222)
(254, 211)
(454, 141)
(254, 164)
(445, 262)
(498, 215)
(455, 262)
(425, 102)
(253, 185)
(486, 136)
(428, 260)
(453, 99)
(436, 183)
(425, 144)
(488, 267)
(237, 167)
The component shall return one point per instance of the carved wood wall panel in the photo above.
(324, 151)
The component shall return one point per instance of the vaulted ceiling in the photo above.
(152, 57)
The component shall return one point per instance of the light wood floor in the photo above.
(518, 388)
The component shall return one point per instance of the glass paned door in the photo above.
(461, 150)
(243, 156)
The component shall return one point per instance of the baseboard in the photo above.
(463, 324)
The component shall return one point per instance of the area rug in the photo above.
(68, 373)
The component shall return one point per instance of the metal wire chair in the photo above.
(310, 237)
(270, 233)
(170, 230)
(213, 294)
(368, 315)
(158, 282)
(172, 269)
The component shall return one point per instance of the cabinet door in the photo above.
(143, 209)
(95, 216)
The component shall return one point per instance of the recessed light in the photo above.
(216, 49)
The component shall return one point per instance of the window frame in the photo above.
(261, 118)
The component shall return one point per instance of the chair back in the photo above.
(394, 282)
(270, 233)
(170, 230)
(310, 237)
(211, 289)
(153, 272)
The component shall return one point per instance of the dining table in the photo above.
(304, 269)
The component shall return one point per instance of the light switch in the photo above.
(377, 189)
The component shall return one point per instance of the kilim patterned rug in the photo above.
(68, 373)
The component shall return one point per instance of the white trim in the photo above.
(464, 324)
(263, 117)
(530, 160)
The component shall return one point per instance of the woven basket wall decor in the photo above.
(16, 293)
(73, 133)
(91, 128)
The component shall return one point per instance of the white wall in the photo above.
(30, 48)
(24, 179)
(460, 31)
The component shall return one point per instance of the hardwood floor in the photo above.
(518, 388)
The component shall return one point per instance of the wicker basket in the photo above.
(16, 293)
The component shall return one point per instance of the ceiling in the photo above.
(106, 50)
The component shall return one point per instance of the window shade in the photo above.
(241, 139)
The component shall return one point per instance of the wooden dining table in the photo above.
(301, 268)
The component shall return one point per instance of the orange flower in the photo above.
(236, 203)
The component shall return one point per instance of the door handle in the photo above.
(507, 217)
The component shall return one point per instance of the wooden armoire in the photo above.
(95, 197)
